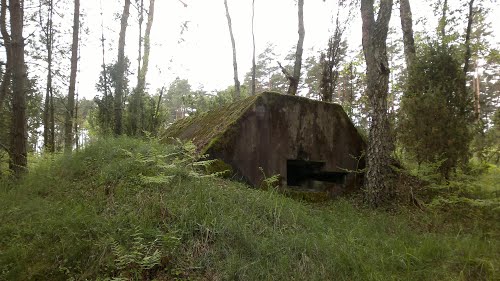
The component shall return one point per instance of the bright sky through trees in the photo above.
(202, 53)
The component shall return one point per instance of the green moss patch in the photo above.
(205, 129)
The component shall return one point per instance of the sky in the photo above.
(202, 53)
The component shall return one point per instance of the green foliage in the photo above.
(486, 144)
(102, 121)
(91, 216)
(138, 260)
(435, 110)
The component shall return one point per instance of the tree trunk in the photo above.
(467, 39)
(294, 83)
(141, 82)
(139, 57)
(331, 61)
(68, 124)
(19, 135)
(77, 140)
(156, 120)
(477, 93)
(5, 86)
(235, 63)
(107, 96)
(442, 21)
(253, 54)
(121, 69)
(407, 27)
(136, 105)
(48, 127)
(377, 189)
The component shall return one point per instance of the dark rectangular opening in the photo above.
(300, 172)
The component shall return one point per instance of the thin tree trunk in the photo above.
(52, 122)
(467, 39)
(5, 86)
(141, 82)
(442, 21)
(19, 135)
(253, 54)
(68, 124)
(331, 61)
(351, 89)
(119, 91)
(294, 83)
(77, 139)
(477, 91)
(137, 102)
(48, 127)
(235, 63)
(156, 120)
(107, 96)
(407, 27)
(139, 57)
(377, 189)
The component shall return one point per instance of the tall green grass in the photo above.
(138, 210)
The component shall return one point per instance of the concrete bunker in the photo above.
(312, 145)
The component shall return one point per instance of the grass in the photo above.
(125, 209)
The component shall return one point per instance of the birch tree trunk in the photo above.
(68, 124)
(235, 63)
(19, 135)
(377, 189)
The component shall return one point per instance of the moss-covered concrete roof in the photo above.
(207, 129)
(202, 129)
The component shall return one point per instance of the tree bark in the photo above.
(331, 60)
(141, 82)
(121, 69)
(19, 135)
(253, 54)
(107, 95)
(294, 83)
(77, 140)
(139, 57)
(377, 189)
(477, 91)
(68, 124)
(235, 63)
(5, 86)
(467, 39)
(48, 127)
(407, 27)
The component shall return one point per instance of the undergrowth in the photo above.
(124, 209)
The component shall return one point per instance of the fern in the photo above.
(141, 256)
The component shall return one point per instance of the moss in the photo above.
(214, 128)
(206, 129)
(308, 196)
(220, 168)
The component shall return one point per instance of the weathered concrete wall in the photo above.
(277, 128)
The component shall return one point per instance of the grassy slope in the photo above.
(118, 209)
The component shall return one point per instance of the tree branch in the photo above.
(287, 74)
(183, 3)
(4, 147)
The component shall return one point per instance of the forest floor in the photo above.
(124, 209)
